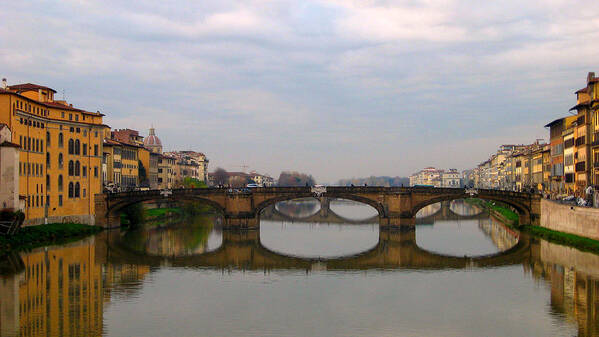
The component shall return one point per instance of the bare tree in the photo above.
(221, 177)
(295, 179)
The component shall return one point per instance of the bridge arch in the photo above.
(272, 201)
(521, 209)
(114, 210)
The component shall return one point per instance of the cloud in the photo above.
(335, 88)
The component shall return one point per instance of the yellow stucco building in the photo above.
(60, 156)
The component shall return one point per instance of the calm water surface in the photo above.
(307, 272)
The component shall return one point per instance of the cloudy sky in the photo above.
(335, 88)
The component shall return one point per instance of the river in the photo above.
(307, 272)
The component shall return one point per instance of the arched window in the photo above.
(47, 182)
(77, 146)
(77, 168)
(71, 146)
(77, 190)
(71, 190)
(60, 183)
(60, 161)
(71, 168)
(60, 140)
(48, 160)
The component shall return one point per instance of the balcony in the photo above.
(580, 167)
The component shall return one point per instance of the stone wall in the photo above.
(582, 221)
(85, 219)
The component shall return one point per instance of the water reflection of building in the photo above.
(60, 292)
(574, 280)
(502, 236)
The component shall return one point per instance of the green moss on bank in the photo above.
(578, 242)
(155, 213)
(43, 235)
(567, 239)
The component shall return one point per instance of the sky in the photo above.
(337, 89)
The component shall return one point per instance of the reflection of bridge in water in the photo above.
(243, 250)
(445, 211)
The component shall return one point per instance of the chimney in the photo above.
(4, 84)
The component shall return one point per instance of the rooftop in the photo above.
(28, 87)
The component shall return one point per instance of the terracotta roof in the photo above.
(51, 104)
(29, 86)
(578, 106)
(9, 144)
(108, 141)
(554, 122)
(594, 80)
(581, 90)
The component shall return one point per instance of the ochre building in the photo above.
(60, 155)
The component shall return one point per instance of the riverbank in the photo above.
(510, 218)
(43, 235)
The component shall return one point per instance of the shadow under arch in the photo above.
(271, 213)
(521, 209)
(394, 250)
(115, 209)
(452, 210)
(376, 205)
(277, 208)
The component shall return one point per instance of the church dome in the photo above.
(152, 139)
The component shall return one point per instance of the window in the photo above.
(41, 145)
(77, 147)
(37, 145)
(95, 171)
(60, 200)
(47, 182)
(71, 168)
(77, 168)
(96, 134)
(84, 149)
(77, 130)
(84, 171)
(84, 194)
(77, 119)
(84, 131)
(71, 190)
(60, 140)
(95, 149)
(60, 184)
(70, 117)
(71, 129)
(71, 146)
(48, 160)
(60, 161)
(77, 190)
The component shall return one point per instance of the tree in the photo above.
(293, 178)
(142, 174)
(189, 182)
(221, 177)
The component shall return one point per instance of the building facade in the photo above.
(60, 155)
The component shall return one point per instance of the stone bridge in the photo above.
(396, 206)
